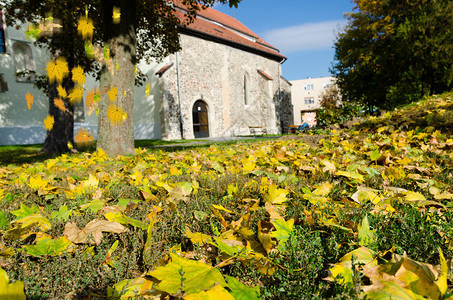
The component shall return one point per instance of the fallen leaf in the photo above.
(92, 233)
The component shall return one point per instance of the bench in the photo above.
(257, 129)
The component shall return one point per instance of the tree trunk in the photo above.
(116, 134)
(62, 131)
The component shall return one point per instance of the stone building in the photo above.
(306, 98)
(225, 80)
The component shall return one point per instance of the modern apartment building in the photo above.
(306, 98)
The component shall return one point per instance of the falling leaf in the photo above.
(48, 122)
(83, 136)
(10, 291)
(92, 233)
(78, 75)
(113, 93)
(76, 94)
(147, 89)
(57, 69)
(116, 16)
(29, 98)
(193, 276)
(115, 114)
(59, 104)
(85, 27)
(61, 91)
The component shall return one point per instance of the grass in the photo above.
(239, 193)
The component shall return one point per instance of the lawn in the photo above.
(362, 212)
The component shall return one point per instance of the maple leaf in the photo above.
(57, 69)
(61, 91)
(92, 233)
(29, 98)
(113, 93)
(91, 100)
(85, 27)
(83, 136)
(59, 104)
(48, 122)
(76, 94)
(116, 115)
(193, 275)
(78, 75)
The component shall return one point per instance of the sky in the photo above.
(303, 30)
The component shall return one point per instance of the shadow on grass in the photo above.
(29, 154)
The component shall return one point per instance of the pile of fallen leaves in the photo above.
(68, 206)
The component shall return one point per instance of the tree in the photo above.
(392, 52)
(127, 31)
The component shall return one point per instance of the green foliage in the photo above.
(391, 53)
(334, 110)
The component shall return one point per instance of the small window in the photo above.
(309, 100)
(23, 60)
(2, 34)
(245, 90)
(308, 87)
(327, 85)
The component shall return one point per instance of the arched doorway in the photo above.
(200, 119)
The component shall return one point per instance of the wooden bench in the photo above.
(257, 129)
(293, 128)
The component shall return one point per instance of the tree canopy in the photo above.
(108, 38)
(392, 52)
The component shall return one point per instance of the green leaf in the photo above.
(375, 155)
(3, 220)
(94, 205)
(241, 291)
(366, 235)
(63, 213)
(10, 291)
(186, 275)
(284, 230)
(25, 211)
(48, 247)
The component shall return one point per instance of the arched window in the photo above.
(245, 90)
(23, 60)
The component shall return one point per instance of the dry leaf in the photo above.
(92, 233)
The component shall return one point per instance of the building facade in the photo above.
(223, 81)
(306, 98)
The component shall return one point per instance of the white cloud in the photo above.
(309, 36)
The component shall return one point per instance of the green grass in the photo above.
(238, 176)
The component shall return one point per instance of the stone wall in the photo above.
(214, 73)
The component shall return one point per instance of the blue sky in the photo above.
(303, 30)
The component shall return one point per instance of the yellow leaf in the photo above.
(215, 293)
(115, 114)
(48, 122)
(147, 89)
(78, 75)
(61, 91)
(10, 291)
(29, 98)
(85, 27)
(276, 195)
(57, 69)
(91, 183)
(113, 93)
(116, 16)
(37, 182)
(59, 104)
(76, 94)
(324, 189)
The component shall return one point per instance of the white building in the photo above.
(224, 81)
(306, 98)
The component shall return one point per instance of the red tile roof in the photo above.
(262, 73)
(213, 24)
